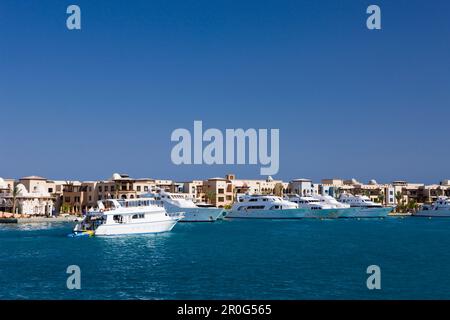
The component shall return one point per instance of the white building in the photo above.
(303, 187)
(37, 202)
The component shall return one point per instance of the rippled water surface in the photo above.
(249, 259)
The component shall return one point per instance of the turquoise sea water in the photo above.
(246, 259)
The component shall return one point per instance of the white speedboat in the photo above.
(272, 207)
(440, 208)
(131, 216)
(362, 207)
(175, 202)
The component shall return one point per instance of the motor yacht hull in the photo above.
(195, 214)
(433, 213)
(135, 228)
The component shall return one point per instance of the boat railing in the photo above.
(140, 203)
(157, 203)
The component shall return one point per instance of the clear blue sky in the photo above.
(349, 102)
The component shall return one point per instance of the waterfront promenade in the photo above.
(18, 218)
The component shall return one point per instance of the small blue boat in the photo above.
(85, 233)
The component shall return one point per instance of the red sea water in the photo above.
(240, 259)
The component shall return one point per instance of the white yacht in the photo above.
(345, 209)
(331, 201)
(440, 208)
(131, 216)
(308, 202)
(362, 207)
(273, 207)
(175, 202)
(320, 209)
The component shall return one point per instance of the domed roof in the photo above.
(22, 191)
(269, 179)
(3, 184)
(373, 182)
(116, 176)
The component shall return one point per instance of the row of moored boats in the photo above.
(161, 211)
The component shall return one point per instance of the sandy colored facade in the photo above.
(397, 192)
(79, 197)
(222, 192)
(218, 192)
(40, 196)
(33, 195)
(194, 190)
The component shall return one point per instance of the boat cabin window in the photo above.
(109, 205)
(118, 218)
(135, 203)
(251, 208)
(138, 216)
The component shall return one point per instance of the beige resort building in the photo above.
(39, 196)
(35, 196)
(221, 192)
(397, 192)
(81, 196)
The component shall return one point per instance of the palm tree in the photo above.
(15, 194)
(69, 184)
(65, 208)
(117, 189)
(278, 190)
(412, 205)
(398, 197)
(381, 197)
(210, 196)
